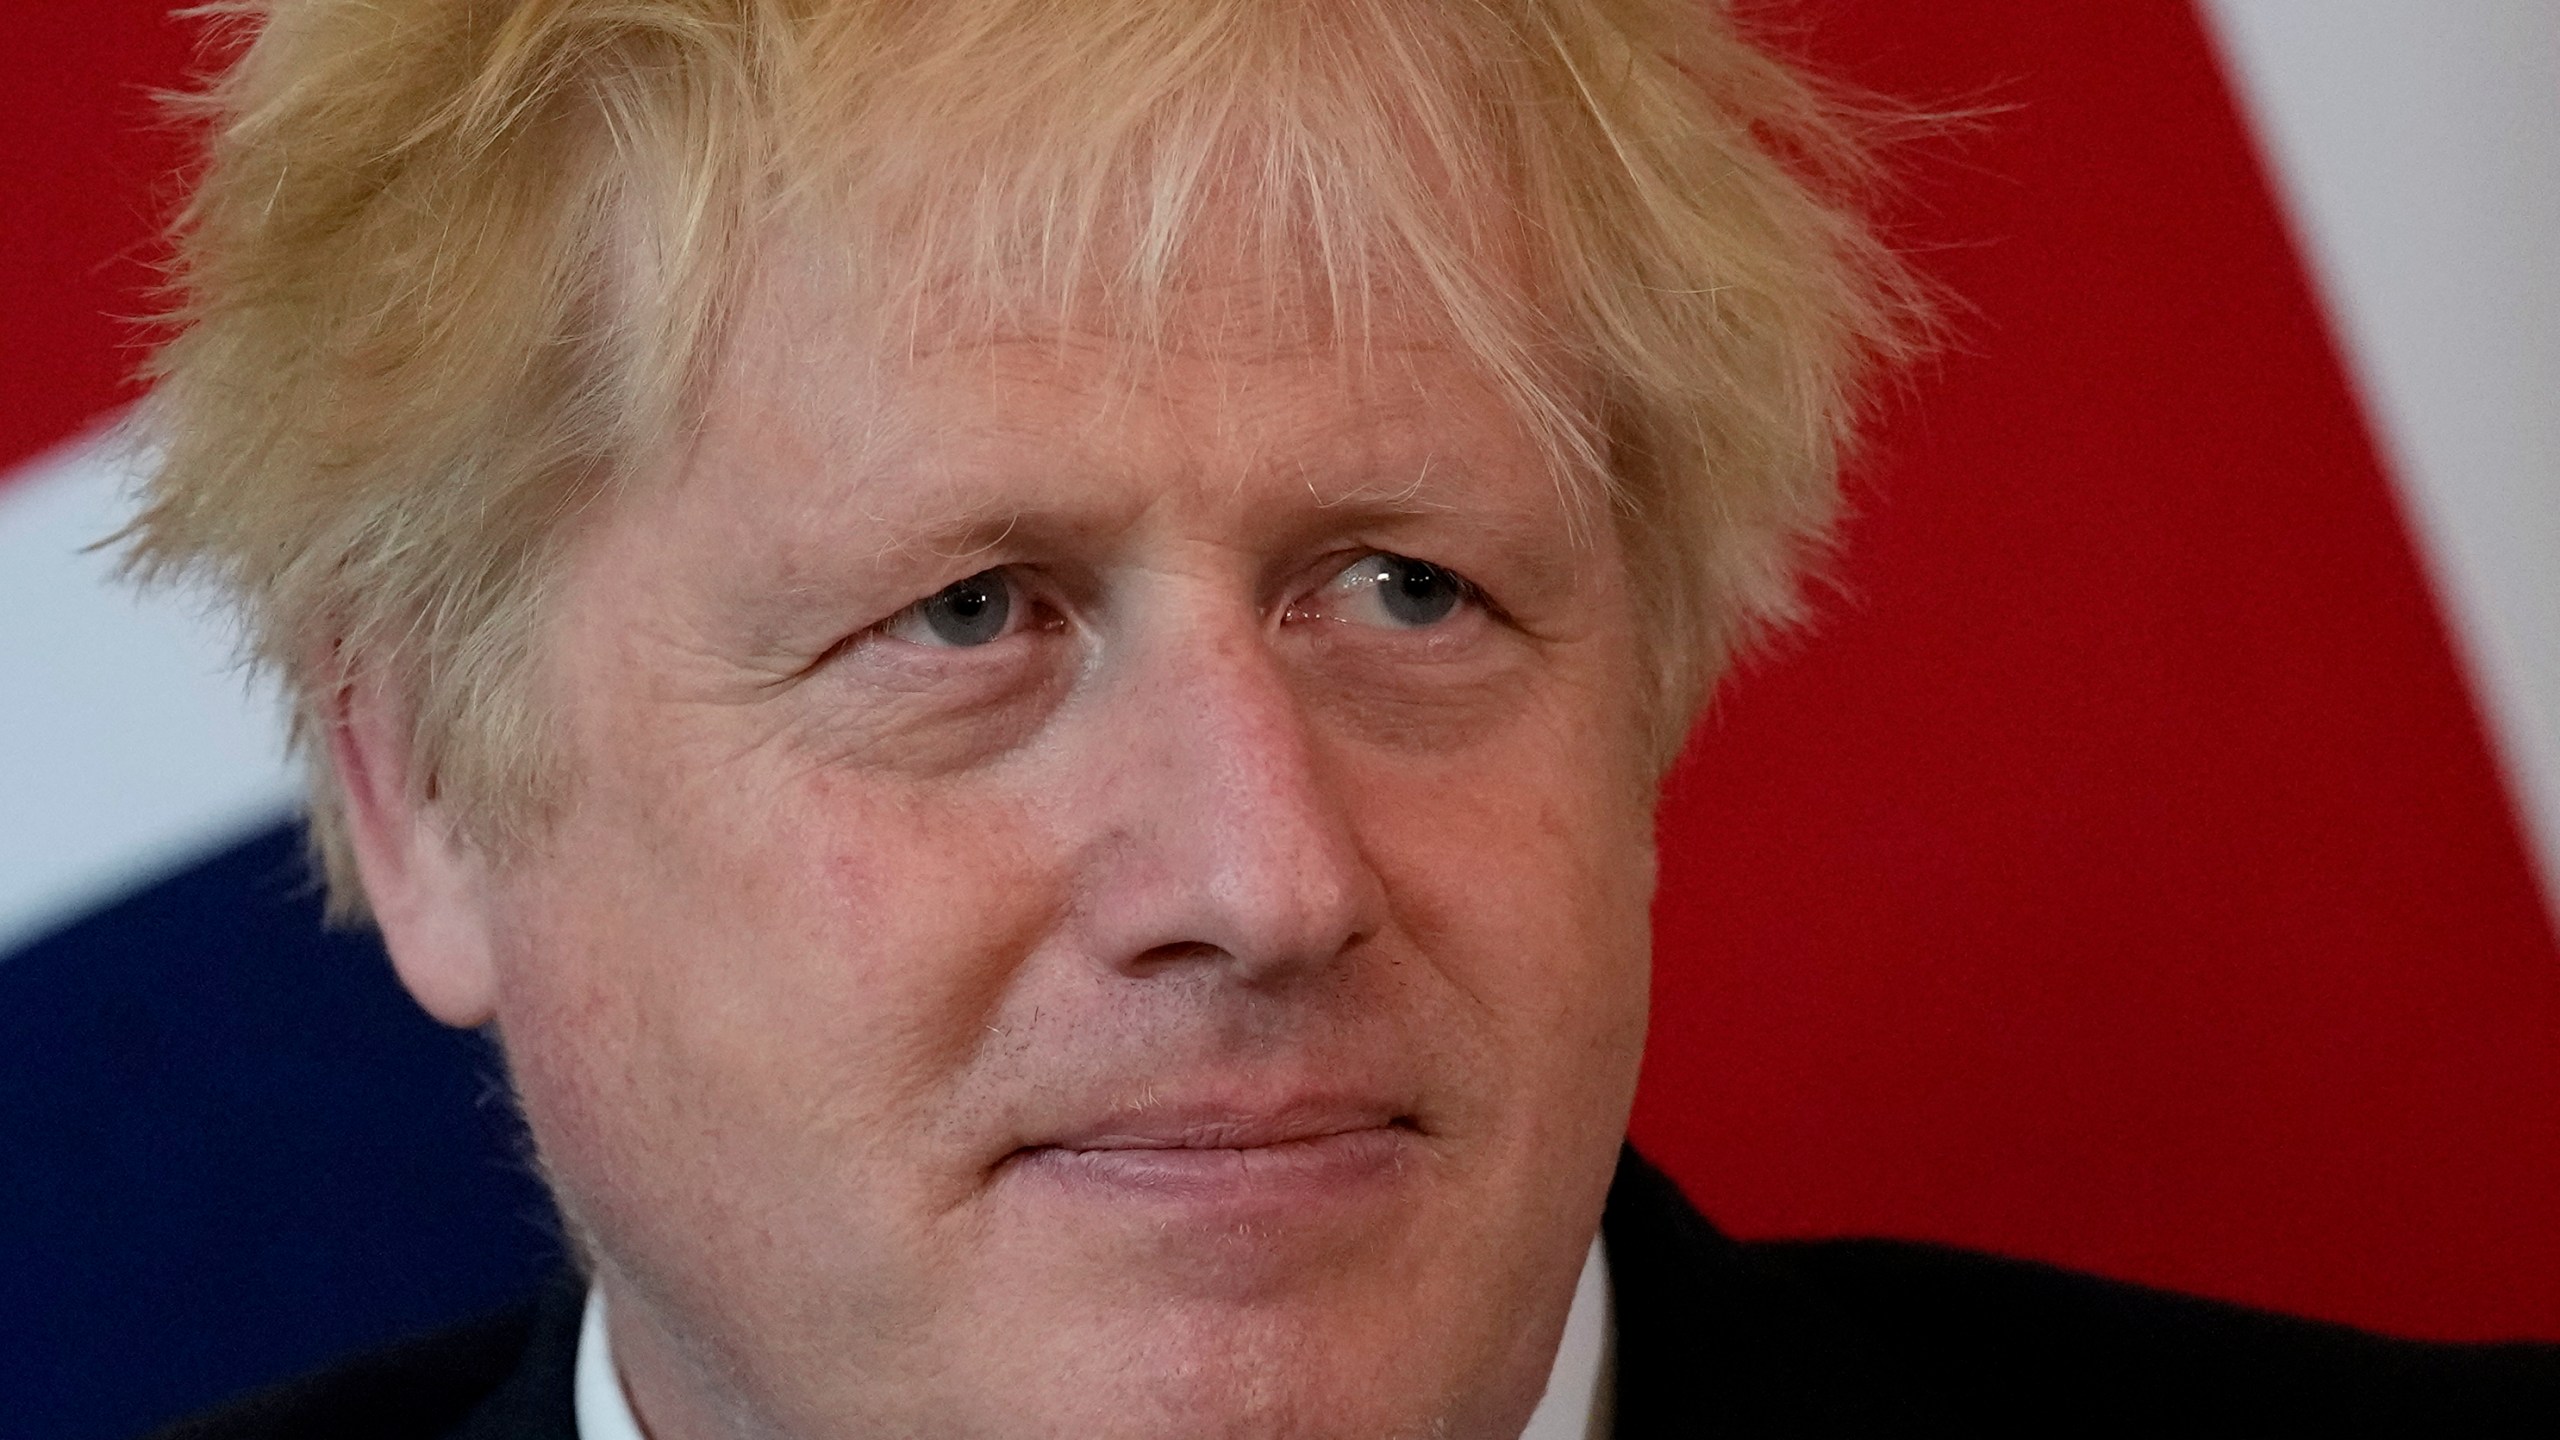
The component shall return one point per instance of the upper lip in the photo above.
(1178, 1125)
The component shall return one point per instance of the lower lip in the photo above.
(1289, 1175)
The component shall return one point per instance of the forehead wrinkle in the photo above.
(931, 438)
(1241, 405)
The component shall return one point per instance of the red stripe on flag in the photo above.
(2119, 876)
(84, 167)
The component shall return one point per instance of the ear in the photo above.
(427, 887)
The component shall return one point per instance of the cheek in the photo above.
(795, 973)
(1524, 872)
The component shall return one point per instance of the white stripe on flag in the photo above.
(129, 743)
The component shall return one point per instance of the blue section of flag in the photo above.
(231, 1149)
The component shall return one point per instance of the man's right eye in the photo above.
(975, 611)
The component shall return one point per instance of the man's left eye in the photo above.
(975, 611)
(1396, 591)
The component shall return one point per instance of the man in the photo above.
(1021, 651)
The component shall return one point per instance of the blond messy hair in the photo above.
(455, 266)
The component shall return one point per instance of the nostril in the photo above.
(1182, 952)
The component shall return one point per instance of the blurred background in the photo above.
(2146, 864)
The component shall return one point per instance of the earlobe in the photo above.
(426, 885)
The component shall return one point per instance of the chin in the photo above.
(1396, 1311)
(1265, 1377)
(1307, 1334)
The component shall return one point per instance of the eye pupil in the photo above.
(971, 611)
(1416, 592)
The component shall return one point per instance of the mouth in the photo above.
(1227, 1159)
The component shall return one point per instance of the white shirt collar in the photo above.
(604, 1412)
(1579, 1387)
(1575, 1407)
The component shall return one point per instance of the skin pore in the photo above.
(1104, 891)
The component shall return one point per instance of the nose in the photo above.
(1221, 835)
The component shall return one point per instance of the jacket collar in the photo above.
(1716, 1339)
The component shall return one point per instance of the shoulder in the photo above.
(504, 1375)
(1997, 1346)
(2039, 1344)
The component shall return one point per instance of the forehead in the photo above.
(1233, 382)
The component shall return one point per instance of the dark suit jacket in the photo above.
(1715, 1339)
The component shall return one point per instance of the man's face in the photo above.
(1103, 895)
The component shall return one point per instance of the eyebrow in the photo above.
(1437, 487)
(891, 513)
